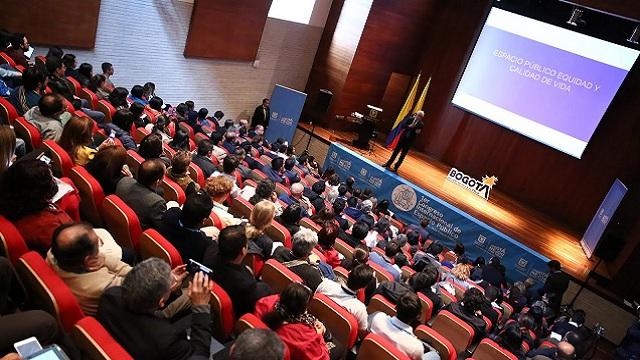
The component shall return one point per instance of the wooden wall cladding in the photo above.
(64, 23)
(226, 29)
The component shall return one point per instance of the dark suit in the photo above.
(261, 116)
(557, 283)
(207, 166)
(190, 243)
(410, 129)
(148, 205)
(476, 322)
(146, 336)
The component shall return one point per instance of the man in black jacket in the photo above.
(411, 128)
(468, 310)
(127, 312)
(261, 114)
(203, 158)
(556, 284)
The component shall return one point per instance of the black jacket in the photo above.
(557, 283)
(476, 322)
(146, 336)
(310, 274)
(190, 243)
(204, 163)
(258, 117)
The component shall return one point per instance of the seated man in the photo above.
(422, 229)
(352, 209)
(274, 172)
(203, 158)
(219, 188)
(218, 151)
(262, 344)
(297, 259)
(390, 251)
(49, 116)
(345, 294)
(137, 95)
(490, 307)
(76, 257)
(229, 166)
(399, 329)
(575, 323)
(468, 310)
(181, 227)
(359, 231)
(315, 195)
(425, 282)
(231, 274)
(128, 312)
(229, 143)
(291, 174)
(28, 95)
(338, 208)
(297, 197)
(19, 45)
(422, 259)
(141, 195)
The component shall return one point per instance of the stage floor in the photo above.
(528, 226)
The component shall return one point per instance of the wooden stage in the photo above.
(528, 226)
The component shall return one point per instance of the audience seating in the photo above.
(258, 175)
(222, 313)
(152, 244)
(241, 208)
(196, 174)
(277, 232)
(342, 324)
(76, 85)
(168, 151)
(248, 321)
(397, 223)
(105, 107)
(459, 289)
(310, 224)
(133, 161)
(341, 273)
(90, 96)
(61, 162)
(278, 276)
(427, 308)
(489, 350)
(380, 273)
(507, 310)
(12, 244)
(406, 272)
(320, 255)
(281, 189)
(7, 112)
(47, 291)
(187, 128)
(255, 263)
(377, 347)
(444, 347)
(95, 343)
(139, 134)
(27, 132)
(349, 219)
(151, 114)
(199, 137)
(173, 191)
(380, 303)
(121, 222)
(91, 194)
(454, 329)
(446, 297)
(213, 220)
(345, 249)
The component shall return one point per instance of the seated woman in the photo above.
(120, 125)
(140, 119)
(151, 148)
(290, 218)
(118, 98)
(160, 128)
(297, 259)
(260, 219)
(27, 191)
(305, 336)
(326, 242)
(108, 167)
(179, 172)
(98, 85)
(219, 188)
(76, 139)
(459, 275)
(180, 140)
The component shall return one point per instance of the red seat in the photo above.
(121, 221)
(95, 342)
(214, 220)
(196, 174)
(241, 208)
(173, 191)
(41, 60)
(454, 329)
(443, 345)
(248, 321)
(107, 109)
(345, 249)
(255, 263)
(490, 350)
(277, 232)
(134, 160)
(168, 151)
(12, 243)
(91, 194)
(151, 114)
(8, 113)
(258, 175)
(186, 127)
(376, 347)
(152, 244)
(199, 137)
(446, 297)
(6, 59)
(222, 311)
(139, 134)
(427, 308)
(380, 273)
(27, 132)
(172, 129)
(281, 189)
(47, 291)
(342, 324)
(379, 303)
(76, 85)
(278, 276)
(60, 160)
(90, 96)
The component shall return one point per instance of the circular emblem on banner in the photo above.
(404, 197)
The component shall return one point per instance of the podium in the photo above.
(367, 126)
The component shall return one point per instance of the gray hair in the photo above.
(257, 344)
(401, 239)
(145, 285)
(332, 195)
(303, 242)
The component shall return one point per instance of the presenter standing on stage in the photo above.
(411, 128)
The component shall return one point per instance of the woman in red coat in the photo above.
(303, 334)
(326, 243)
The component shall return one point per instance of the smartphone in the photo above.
(29, 52)
(27, 347)
(44, 158)
(194, 267)
(53, 352)
(112, 134)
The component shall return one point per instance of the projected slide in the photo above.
(545, 82)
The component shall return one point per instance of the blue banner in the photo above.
(601, 219)
(286, 107)
(447, 223)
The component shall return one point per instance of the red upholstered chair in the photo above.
(278, 276)
(427, 308)
(376, 347)
(107, 109)
(6, 59)
(139, 134)
(459, 289)
(172, 128)
(168, 151)
(196, 174)
(281, 189)
(507, 310)
(152, 244)
(319, 254)
(8, 113)
(12, 243)
(310, 224)
(90, 96)
(446, 297)
(133, 161)
(445, 348)
(397, 223)
(342, 324)
(406, 272)
(27, 132)
(258, 175)
(214, 220)
(186, 127)
(222, 313)
(173, 191)
(239, 180)
(76, 85)
(91, 194)
(380, 273)
(192, 145)
(277, 232)
(199, 137)
(60, 160)
(489, 350)
(380, 303)
(41, 60)
(241, 208)
(341, 273)
(345, 249)
(349, 219)
(456, 330)
(47, 291)
(254, 262)
(249, 182)
(121, 221)
(95, 342)
(152, 115)
(248, 321)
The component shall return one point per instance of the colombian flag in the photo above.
(396, 130)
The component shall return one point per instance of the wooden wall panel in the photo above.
(65, 23)
(392, 100)
(226, 29)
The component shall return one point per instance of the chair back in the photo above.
(173, 191)
(281, 189)
(214, 220)
(76, 85)
(380, 273)
(140, 133)
(168, 151)
(107, 109)
(258, 175)
(278, 276)
(61, 161)
(377, 347)
(379, 303)
(187, 128)
(255, 263)
(47, 291)
(27, 132)
(246, 322)
(8, 112)
(406, 272)
(310, 224)
(342, 324)
(12, 244)
(222, 313)
(91, 194)
(152, 244)
(490, 350)
(507, 310)
(134, 160)
(196, 173)
(427, 308)
(90, 96)
(121, 222)
(277, 232)
(345, 249)
(444, 347)
(446, 297)
(241, 208)
(6, 59)
(453, 328)
(199, 137)
(95, 342)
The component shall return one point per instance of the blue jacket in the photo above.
(123, 136)
(272, 174)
